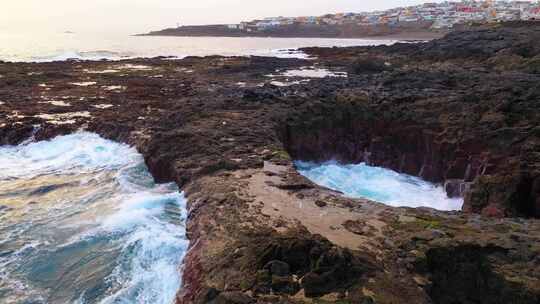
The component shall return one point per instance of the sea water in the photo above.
(379, 184)
(82, 221)
(54, 46)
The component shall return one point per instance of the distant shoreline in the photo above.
(417, 36)
(415, 33)
(412, 36)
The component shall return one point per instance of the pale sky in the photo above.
(142, 15)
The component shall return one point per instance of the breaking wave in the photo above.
(82, 221)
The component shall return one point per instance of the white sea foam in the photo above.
(84, 84)
(313, 73)
(151, 276)
(157, 245)
(58, 103)
(379, 184)
(287, 83)
(80, 151)
(103, 106)
(115, 88)
(282, 53)
(129, 66)
(64, 118)
(78, 55)
(101, 230)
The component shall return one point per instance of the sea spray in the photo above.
(82, 221)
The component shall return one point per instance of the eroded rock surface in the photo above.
(462, 111)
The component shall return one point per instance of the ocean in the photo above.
(54, 46)
(82, 221)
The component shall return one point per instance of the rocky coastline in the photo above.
(462, 111)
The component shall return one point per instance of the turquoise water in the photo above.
(82, 221)
(379, 184)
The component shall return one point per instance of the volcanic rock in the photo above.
(461, 110)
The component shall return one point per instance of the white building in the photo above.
(266, 24)
(531, 14)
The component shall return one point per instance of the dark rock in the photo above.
(315, 285)
(263, 281)
(233, 297)
(369, 65)
(326, 267)
(211, 294)
(355, 227)
(278, 268)
(320, 203)
(465, 274)
(455, 188)
(284, 285)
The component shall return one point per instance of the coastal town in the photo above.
(442, 15)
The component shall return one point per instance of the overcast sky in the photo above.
(143, 15)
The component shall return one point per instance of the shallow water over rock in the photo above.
(379, 184)
(82, 221)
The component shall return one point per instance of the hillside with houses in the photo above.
(435, 17)
(442, 15)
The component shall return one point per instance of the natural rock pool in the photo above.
(379, 184)
(82, 221)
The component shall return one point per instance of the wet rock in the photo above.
(15, 134)
(455, 188)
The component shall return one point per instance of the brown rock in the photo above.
(321, 203)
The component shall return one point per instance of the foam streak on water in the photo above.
(379, 184)
(82, 221)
